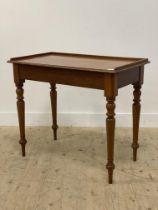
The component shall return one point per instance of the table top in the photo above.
(80, 62)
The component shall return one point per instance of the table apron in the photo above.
(63, 76)
(131, 76)
(78, 78)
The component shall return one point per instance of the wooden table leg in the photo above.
(136, 117)
(53, 97)
(21, 114)
(110, 128)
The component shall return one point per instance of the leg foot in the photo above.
(55, 131)
(135, 147)
(23, 142)
(110, 167)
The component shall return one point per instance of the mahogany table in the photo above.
(90, 71)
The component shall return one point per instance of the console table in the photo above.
(90, 71)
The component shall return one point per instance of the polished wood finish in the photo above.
(110, 92)
(64, 76)
(20, 106)
(80, 62)
(53, 97)
(91, 71)
(110, 130)
(21, 115)
(136, 117)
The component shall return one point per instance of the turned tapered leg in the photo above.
(21, 115)
(110, 127)
(53, 97)
(136, 117)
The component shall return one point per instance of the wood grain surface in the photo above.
(80, 62)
